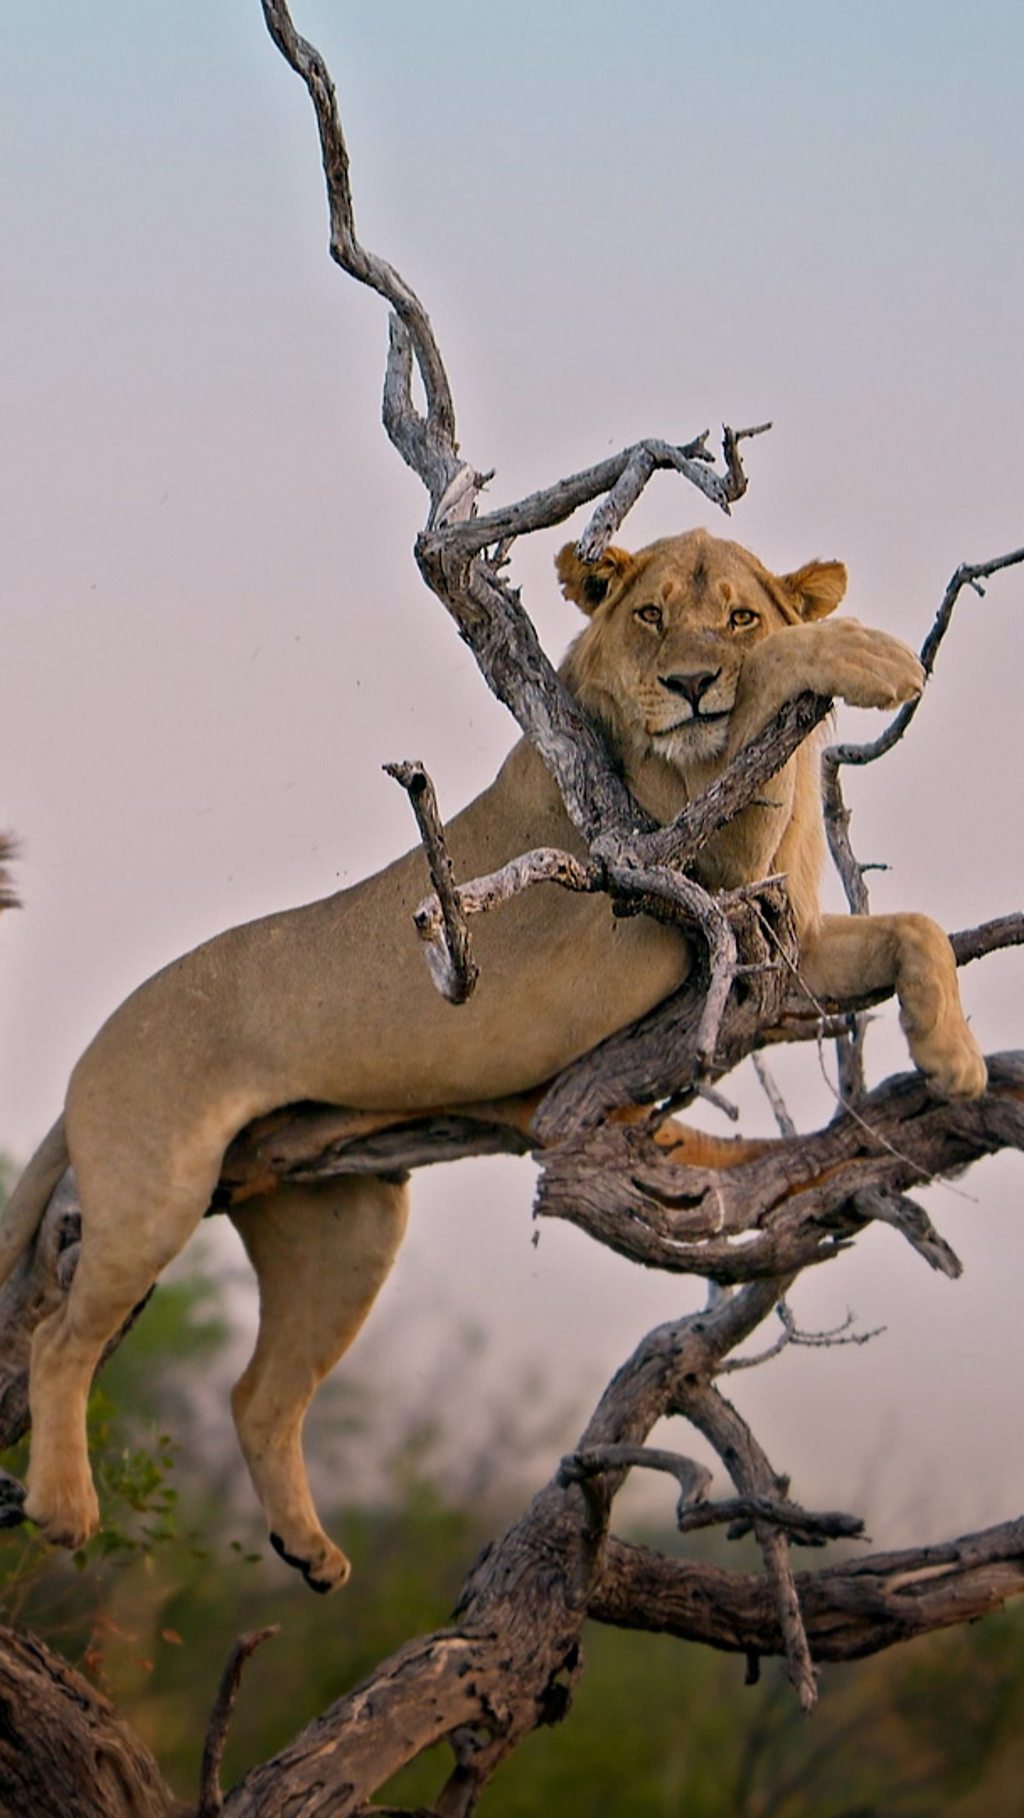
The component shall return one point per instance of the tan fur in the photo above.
(332, 1002)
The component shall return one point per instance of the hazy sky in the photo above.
(624, 221)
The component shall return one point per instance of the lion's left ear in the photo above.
(816, 589)
(587, 584)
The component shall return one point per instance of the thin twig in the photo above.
(771, 1091)
(748, 1466)
(580, 1467)
(969, 574)
(913, 1223)
(804, 1527)
(211, 1798)
(718, 1099)
(792, 1334)
(850, 1044)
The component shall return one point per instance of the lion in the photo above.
(691, 647)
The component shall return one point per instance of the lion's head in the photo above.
(670, 629)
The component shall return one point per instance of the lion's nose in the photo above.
(693, 687)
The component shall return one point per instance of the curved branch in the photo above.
(837, 815)
(435, 456)
(969, 574)
(211, 1797)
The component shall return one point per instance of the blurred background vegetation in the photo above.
(150, 1609)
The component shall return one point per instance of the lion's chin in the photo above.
(693, 743)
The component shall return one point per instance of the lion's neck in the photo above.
(662, 788)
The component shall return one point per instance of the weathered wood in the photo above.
(211, 1795)
(64, 1753)
(792, 1204)
(850, 1610)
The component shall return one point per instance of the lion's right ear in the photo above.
(816, 589)
(587, 584)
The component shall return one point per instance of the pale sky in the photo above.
(624, 221)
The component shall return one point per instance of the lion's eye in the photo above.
(649, 615)
(743, 618)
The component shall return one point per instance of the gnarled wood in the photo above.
(64, 1753)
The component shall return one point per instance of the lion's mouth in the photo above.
(693, 719)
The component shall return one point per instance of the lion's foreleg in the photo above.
(854, 954)
(321, 1255)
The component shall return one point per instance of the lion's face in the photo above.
(670, 630)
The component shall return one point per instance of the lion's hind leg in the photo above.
(321, 1255)
(852, 954)
(130, 1232)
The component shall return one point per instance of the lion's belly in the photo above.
(552, 985)
(334, 1002)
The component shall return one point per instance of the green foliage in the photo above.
(134, 1460)
(153, 1605)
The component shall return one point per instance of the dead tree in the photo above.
(613, 1162)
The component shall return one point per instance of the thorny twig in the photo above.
(792, 1334)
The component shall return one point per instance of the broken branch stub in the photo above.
(448, 950)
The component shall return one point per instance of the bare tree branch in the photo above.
(64, 1753)
(544, 865)
(449, 954)
(794, 1202)
(437, 446)
(771, 1091)
(211, 1798)
(850, 1047)
(969, 574)
(850, 1610)
(804, 1527)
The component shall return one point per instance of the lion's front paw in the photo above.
(864, 667)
